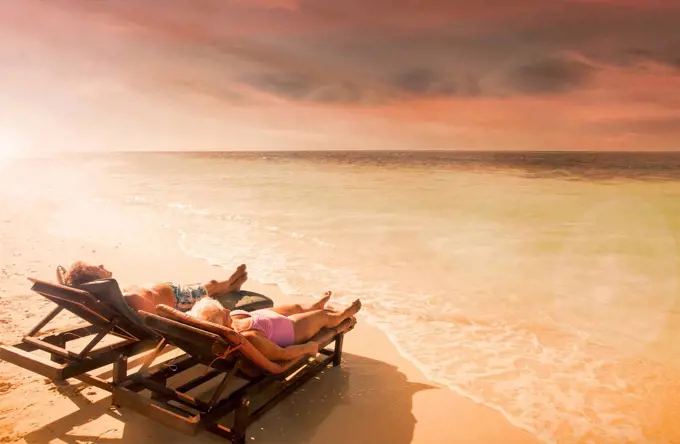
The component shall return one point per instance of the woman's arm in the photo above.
(275, 353)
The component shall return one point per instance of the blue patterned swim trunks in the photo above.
(186, 297)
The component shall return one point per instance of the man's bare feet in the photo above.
(237, 279)
(240, 270)
(236, 285)
(321, 303)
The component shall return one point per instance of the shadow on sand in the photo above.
(363, 401)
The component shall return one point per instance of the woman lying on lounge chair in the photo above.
(148, 297)
(279, 333)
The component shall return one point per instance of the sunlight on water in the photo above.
(552, 300)
(620, 293)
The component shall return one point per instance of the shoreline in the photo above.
(427, 374)
(421, 369)
(377, 390)
(422, 373)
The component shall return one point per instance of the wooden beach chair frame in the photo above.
(101, 304)
(103, 319)
(228, 355)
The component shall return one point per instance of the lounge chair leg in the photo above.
(241, 421)
(120, 370)
(55, 358)
(164, 383)
(337, 353)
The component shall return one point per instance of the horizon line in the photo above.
(361, 151)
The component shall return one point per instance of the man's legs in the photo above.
(310, 323)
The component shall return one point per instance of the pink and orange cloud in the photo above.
(303, 74)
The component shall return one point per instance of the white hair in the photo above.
(208, 309)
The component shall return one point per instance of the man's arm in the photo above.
(275, 353)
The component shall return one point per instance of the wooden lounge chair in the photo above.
(228, 355)
(102, 306)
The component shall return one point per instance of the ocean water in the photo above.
(545, 285)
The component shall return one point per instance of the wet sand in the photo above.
(376, 396)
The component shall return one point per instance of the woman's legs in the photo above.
(289, 310)
(310, 323)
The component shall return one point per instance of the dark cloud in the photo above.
(368, 52)
(544, 76)
(636, 56)
(424, 82)
(608, 33)
(493, 59)
(496, 28)
(345, 92)
(411, 83)
(553, 75)
(299, 86)
(290, 85)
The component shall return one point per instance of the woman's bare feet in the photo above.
(352, 309)
(321, 303)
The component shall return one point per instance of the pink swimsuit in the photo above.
(275, 327)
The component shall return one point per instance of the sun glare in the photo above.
(9, 148)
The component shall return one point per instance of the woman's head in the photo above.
(208, 309)
(81, 273)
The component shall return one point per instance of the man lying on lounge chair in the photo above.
(148, 297)
(280, 333)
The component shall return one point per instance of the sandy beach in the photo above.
(498, 182)
(376, 396)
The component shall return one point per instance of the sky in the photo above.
(327, 74)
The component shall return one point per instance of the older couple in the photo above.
(280, 333)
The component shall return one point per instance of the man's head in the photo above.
(208, 309)
(81, 273)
